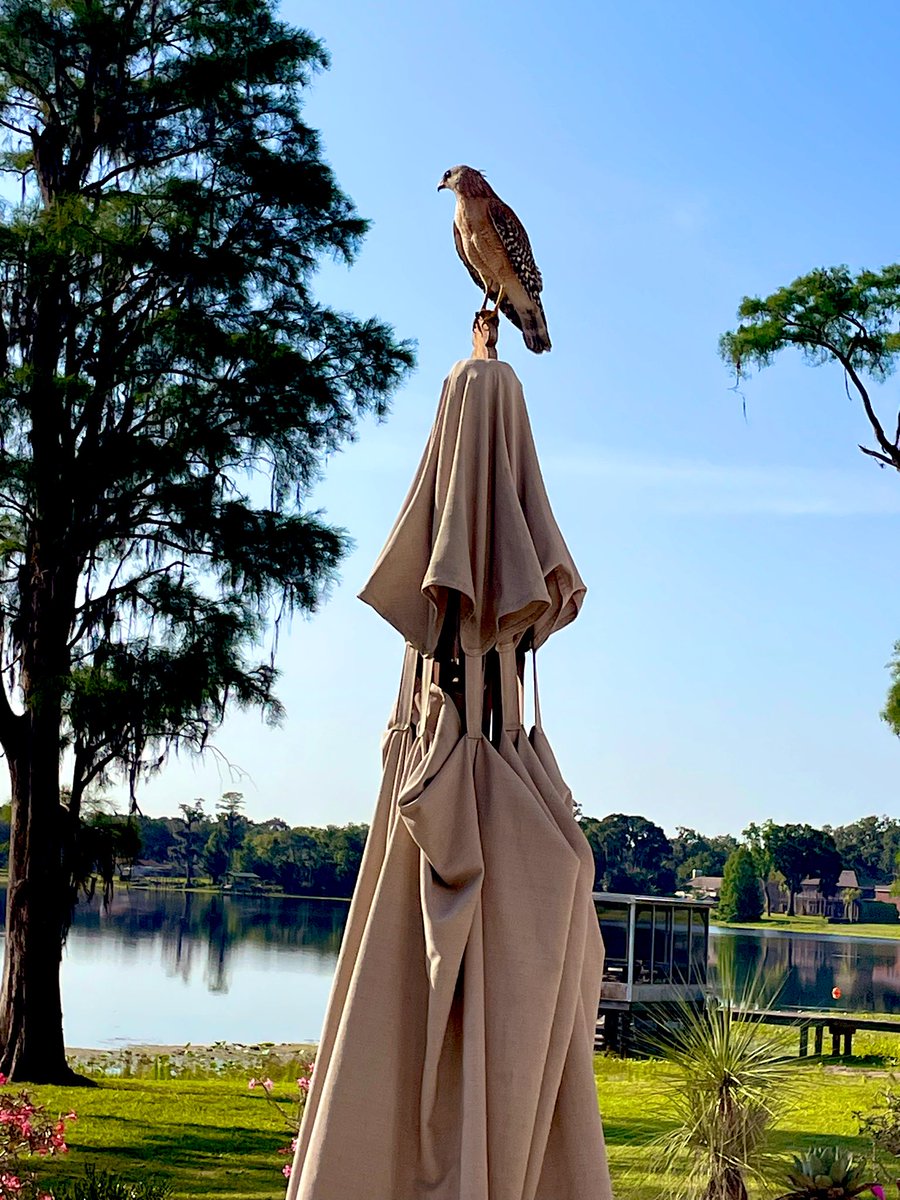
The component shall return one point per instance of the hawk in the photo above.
(493, 244)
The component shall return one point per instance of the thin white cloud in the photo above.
(684, 486)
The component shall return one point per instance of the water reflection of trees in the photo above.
(807, 968)
(197, 931)
(191, 928)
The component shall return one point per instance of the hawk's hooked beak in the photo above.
(441, 186)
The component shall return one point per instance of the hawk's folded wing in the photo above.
(515, 241)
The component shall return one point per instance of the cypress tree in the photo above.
(169, 388)
(741, 896)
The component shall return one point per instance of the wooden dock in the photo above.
(841, 1026)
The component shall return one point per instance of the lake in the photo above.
(163, 967)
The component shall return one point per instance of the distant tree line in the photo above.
(319, 861)
(632, 854)
(205, 846)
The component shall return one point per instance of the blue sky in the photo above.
(743, 577)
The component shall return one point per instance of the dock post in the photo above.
(817, 1045)
(835, 1042)
(848, 1043)
(804, 1041)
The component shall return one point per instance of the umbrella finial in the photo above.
(485, 328)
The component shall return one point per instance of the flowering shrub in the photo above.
(292, 1118)
(26, 1129)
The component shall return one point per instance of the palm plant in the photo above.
(851, 897)
(728, 1082)
(826, 1173)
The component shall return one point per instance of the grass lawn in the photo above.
(215, 1138)
(212, 1138)
(634, 1115)
(817, 925)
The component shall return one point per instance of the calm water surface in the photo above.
(172, 968)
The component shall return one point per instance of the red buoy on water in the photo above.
(836, 993)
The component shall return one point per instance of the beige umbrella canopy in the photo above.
(455, 1061)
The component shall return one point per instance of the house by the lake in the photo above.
(810, 902)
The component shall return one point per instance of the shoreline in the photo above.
(839, 931)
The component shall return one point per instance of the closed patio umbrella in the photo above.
(456, 1057)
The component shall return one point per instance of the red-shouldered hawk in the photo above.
(493, 244)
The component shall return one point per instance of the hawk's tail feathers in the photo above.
(534, 329)
(532, 322)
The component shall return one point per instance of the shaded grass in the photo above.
(214, 1138)
(211, 1138)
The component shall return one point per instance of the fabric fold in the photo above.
(456, 1057)
(477, 522)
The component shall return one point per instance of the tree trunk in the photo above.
(38, 906)
(39, 898)
(790, 911)
(31, 1024)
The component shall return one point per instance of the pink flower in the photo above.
(877, 1190)
(252, 1084)
(286, 1170)
(2, 1079)
(11, 1182)
(267, 1084)
(70, 1116)
(303, 1084)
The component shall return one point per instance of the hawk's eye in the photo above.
(446, 174)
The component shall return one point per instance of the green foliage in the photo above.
(216, 856)
(96, 1184)
(800, 851)
(850, 897)
(758, 840)
(158, 837)
(881, 1125)
(190, 838)
(869, 846)
(727, 1083)
(852, 320)
(741, 897)
(631, 855)
(693, 851)
(104, 844)
(170, 389)
(890, 714)
(878, 912)
(233, 823)
(832, 315)
(323, 862)
(169, 386)
(826, 1173)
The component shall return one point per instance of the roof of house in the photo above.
(846, 879)
(705, 883)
